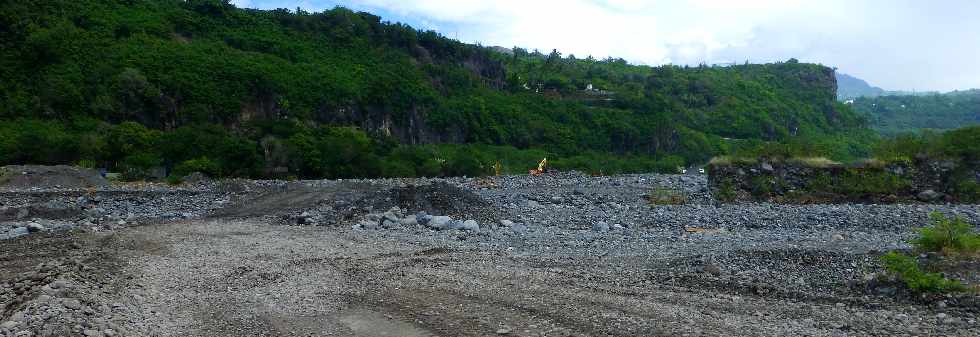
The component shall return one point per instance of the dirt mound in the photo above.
(61, 176)
(437, 198)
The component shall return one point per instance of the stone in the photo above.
(59, 284)
(600, 227)
(837, 237)
(304, 218)
(22, 213)
(766, 167)
(9, 325)
(422, 218)
(439, 222)
(470, 225)
(410, 220)
(18, 231)
(72, 304)
(506, 223)
(929, 195)
(369, 225)
(533, 204)
(519, 228)
(503, 331)
(712, 269)
(34, 227)
(91, 333)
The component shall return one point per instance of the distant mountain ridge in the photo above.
(849, 87)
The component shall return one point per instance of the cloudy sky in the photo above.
(895, 44)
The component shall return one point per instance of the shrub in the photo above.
(951, 236)
(666, 196)
(907, 270)
(139, 166)
(202, 164)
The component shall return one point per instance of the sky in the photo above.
(918, 45)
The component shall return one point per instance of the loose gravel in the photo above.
(554, 255)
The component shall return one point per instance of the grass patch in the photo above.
(907, 270)
(729, 160)
(815, 162)
(950, 236)
(666, 196)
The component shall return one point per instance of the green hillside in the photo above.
(202, 85)
(896, 114)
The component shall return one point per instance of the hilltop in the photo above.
(203, 86)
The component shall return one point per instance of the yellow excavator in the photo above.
(541, 166)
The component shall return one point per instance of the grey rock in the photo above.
(929, 195)
(369, 225)
(712, 269)
(34, 227)
(470, 225)
(410, 220)
(422, 218)
(72, 304)
(519, 228)
(439, 222)
(17, 231)
(22, 213)
(600, 227)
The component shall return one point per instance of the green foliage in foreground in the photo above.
(950, 236)
(953, 237)
(907, 269)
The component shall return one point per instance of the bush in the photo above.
(203, 165)
(950, 236)
(907, 270)
(139, 166)
(666, 196)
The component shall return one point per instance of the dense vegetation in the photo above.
(907, 113)
(200, 85)
(899, 167)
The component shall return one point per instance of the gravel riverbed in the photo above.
(554, 255)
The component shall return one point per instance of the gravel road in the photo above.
(559, 255)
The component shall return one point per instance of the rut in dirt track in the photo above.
(294, 197)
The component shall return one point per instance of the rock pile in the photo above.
(61, 298)
(397, 218)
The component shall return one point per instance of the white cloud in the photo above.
(899, 44)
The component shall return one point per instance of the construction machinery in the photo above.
(541, 167)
